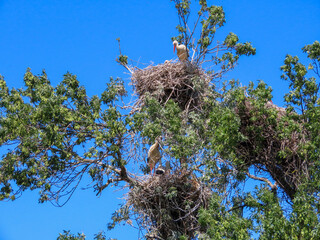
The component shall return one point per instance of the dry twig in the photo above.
(168, 204)
(183, 82)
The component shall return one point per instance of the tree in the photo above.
(214, 139)
(281, 143)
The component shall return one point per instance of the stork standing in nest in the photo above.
(154, 156)
(182, 51)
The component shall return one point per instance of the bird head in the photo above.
(175, 43)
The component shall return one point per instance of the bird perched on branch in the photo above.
(153, 155)
(182, 51)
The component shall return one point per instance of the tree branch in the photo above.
(272, 186)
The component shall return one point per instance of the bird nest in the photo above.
(184, 82)
(168, 204)
(268, 149)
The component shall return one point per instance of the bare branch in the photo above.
(272, 186)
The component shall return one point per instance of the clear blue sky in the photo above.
(80, 37)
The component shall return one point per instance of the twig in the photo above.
(272, 186)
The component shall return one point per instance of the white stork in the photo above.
(153, 155)
(182, 51)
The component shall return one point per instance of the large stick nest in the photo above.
(168, 204)
(264, 144)
(184, 82)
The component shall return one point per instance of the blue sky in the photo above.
(80, 37)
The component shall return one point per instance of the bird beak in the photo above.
(174, 48)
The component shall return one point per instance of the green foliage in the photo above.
(80, 236)
(304, 90)
(56, 135)
(313, 51)
(231, 40)
(45, 126)
(219, 223)
(245, 49)
(123, 59)
(304, 95)
(154, 120)
(122, 214)
(272, 223)
(204, 47)
(266, 216)
(68, 236)
(214, 132)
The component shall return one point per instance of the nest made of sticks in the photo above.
(168, 204)
(263, 145)
(184, 82)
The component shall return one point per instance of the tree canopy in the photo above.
(233, 134)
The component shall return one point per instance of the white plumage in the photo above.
(154, 155)
(182, 51)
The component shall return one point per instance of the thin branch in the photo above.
(273, 186)
(111, 180)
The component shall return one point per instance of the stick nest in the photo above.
(264, 144)
(184, 82)
(168, 204)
